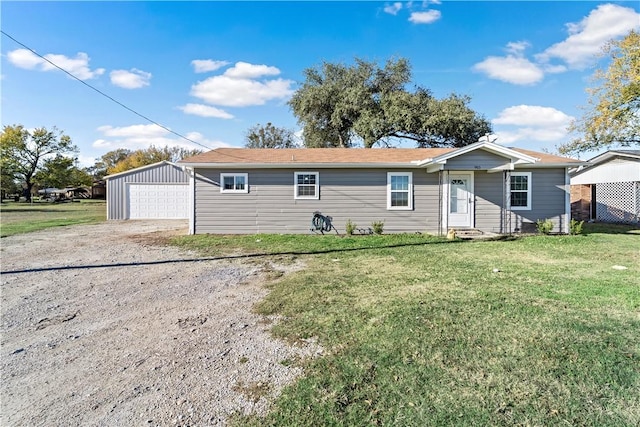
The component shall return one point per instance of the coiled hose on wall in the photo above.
(322, 223)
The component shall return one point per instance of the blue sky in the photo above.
(211, 70)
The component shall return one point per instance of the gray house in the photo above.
(483, 186)
(608, 188)
(157, 191)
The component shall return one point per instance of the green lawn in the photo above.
(16, 218)
(539, 330)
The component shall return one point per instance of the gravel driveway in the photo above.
(97, 329)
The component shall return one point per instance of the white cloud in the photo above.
(222, 90)
(427, 17)
(393, 8)
(205, 65)
(78, 66)
(133, 79)
(244, 70)
(240, 86)
(531, 123)
(511, 69)
(86, 161)
(517, 48)
(587, 37)
(134, 131)
(205, 111)
(554, 69)
(137, 137)
(24, 58)
(532, 115)
(101, 143)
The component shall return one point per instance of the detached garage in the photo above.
(157, 191)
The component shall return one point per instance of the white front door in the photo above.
(461, 199)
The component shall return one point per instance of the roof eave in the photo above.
(550, 165)
(167, 162)
(298, 165)
(612, 154)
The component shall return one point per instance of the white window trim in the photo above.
(295, 186)
(529, 185)
(400, 208)
(225, 175)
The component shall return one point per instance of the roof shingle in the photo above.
(372, 156)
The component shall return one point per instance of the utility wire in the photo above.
(105, 95)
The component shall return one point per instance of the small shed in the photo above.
(608, 188)
(156, 191)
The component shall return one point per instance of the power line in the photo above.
(104, 94)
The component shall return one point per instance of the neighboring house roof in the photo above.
(141, 168)
(610, 166)
(630, 154)
(360, 157)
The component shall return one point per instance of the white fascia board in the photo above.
(580, 168)
(549, 165)
(509, 167)
(610, 154)
(299, 165)
(435, 167)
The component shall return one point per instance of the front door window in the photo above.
(459, 196)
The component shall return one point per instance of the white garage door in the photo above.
(162, 201)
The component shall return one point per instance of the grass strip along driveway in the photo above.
(17, 218)
(538, 330)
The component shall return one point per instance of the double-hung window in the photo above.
(520, 188)
(400, 190)
(306, 185)
(234, 183)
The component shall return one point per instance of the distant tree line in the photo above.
(43, 158)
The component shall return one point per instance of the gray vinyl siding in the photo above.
(547, 200)
(361, 196)
(476, 160)
(489, 192)
(117, 198)
(270, 207)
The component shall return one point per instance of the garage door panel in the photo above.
(158, 201)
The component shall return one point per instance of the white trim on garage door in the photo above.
(158, 201)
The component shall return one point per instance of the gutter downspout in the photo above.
(192, 200)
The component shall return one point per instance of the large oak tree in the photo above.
(341, 106)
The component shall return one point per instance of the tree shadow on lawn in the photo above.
(226, 257)
(610, 228)
(28, 210)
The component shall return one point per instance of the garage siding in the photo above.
(159, 173)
